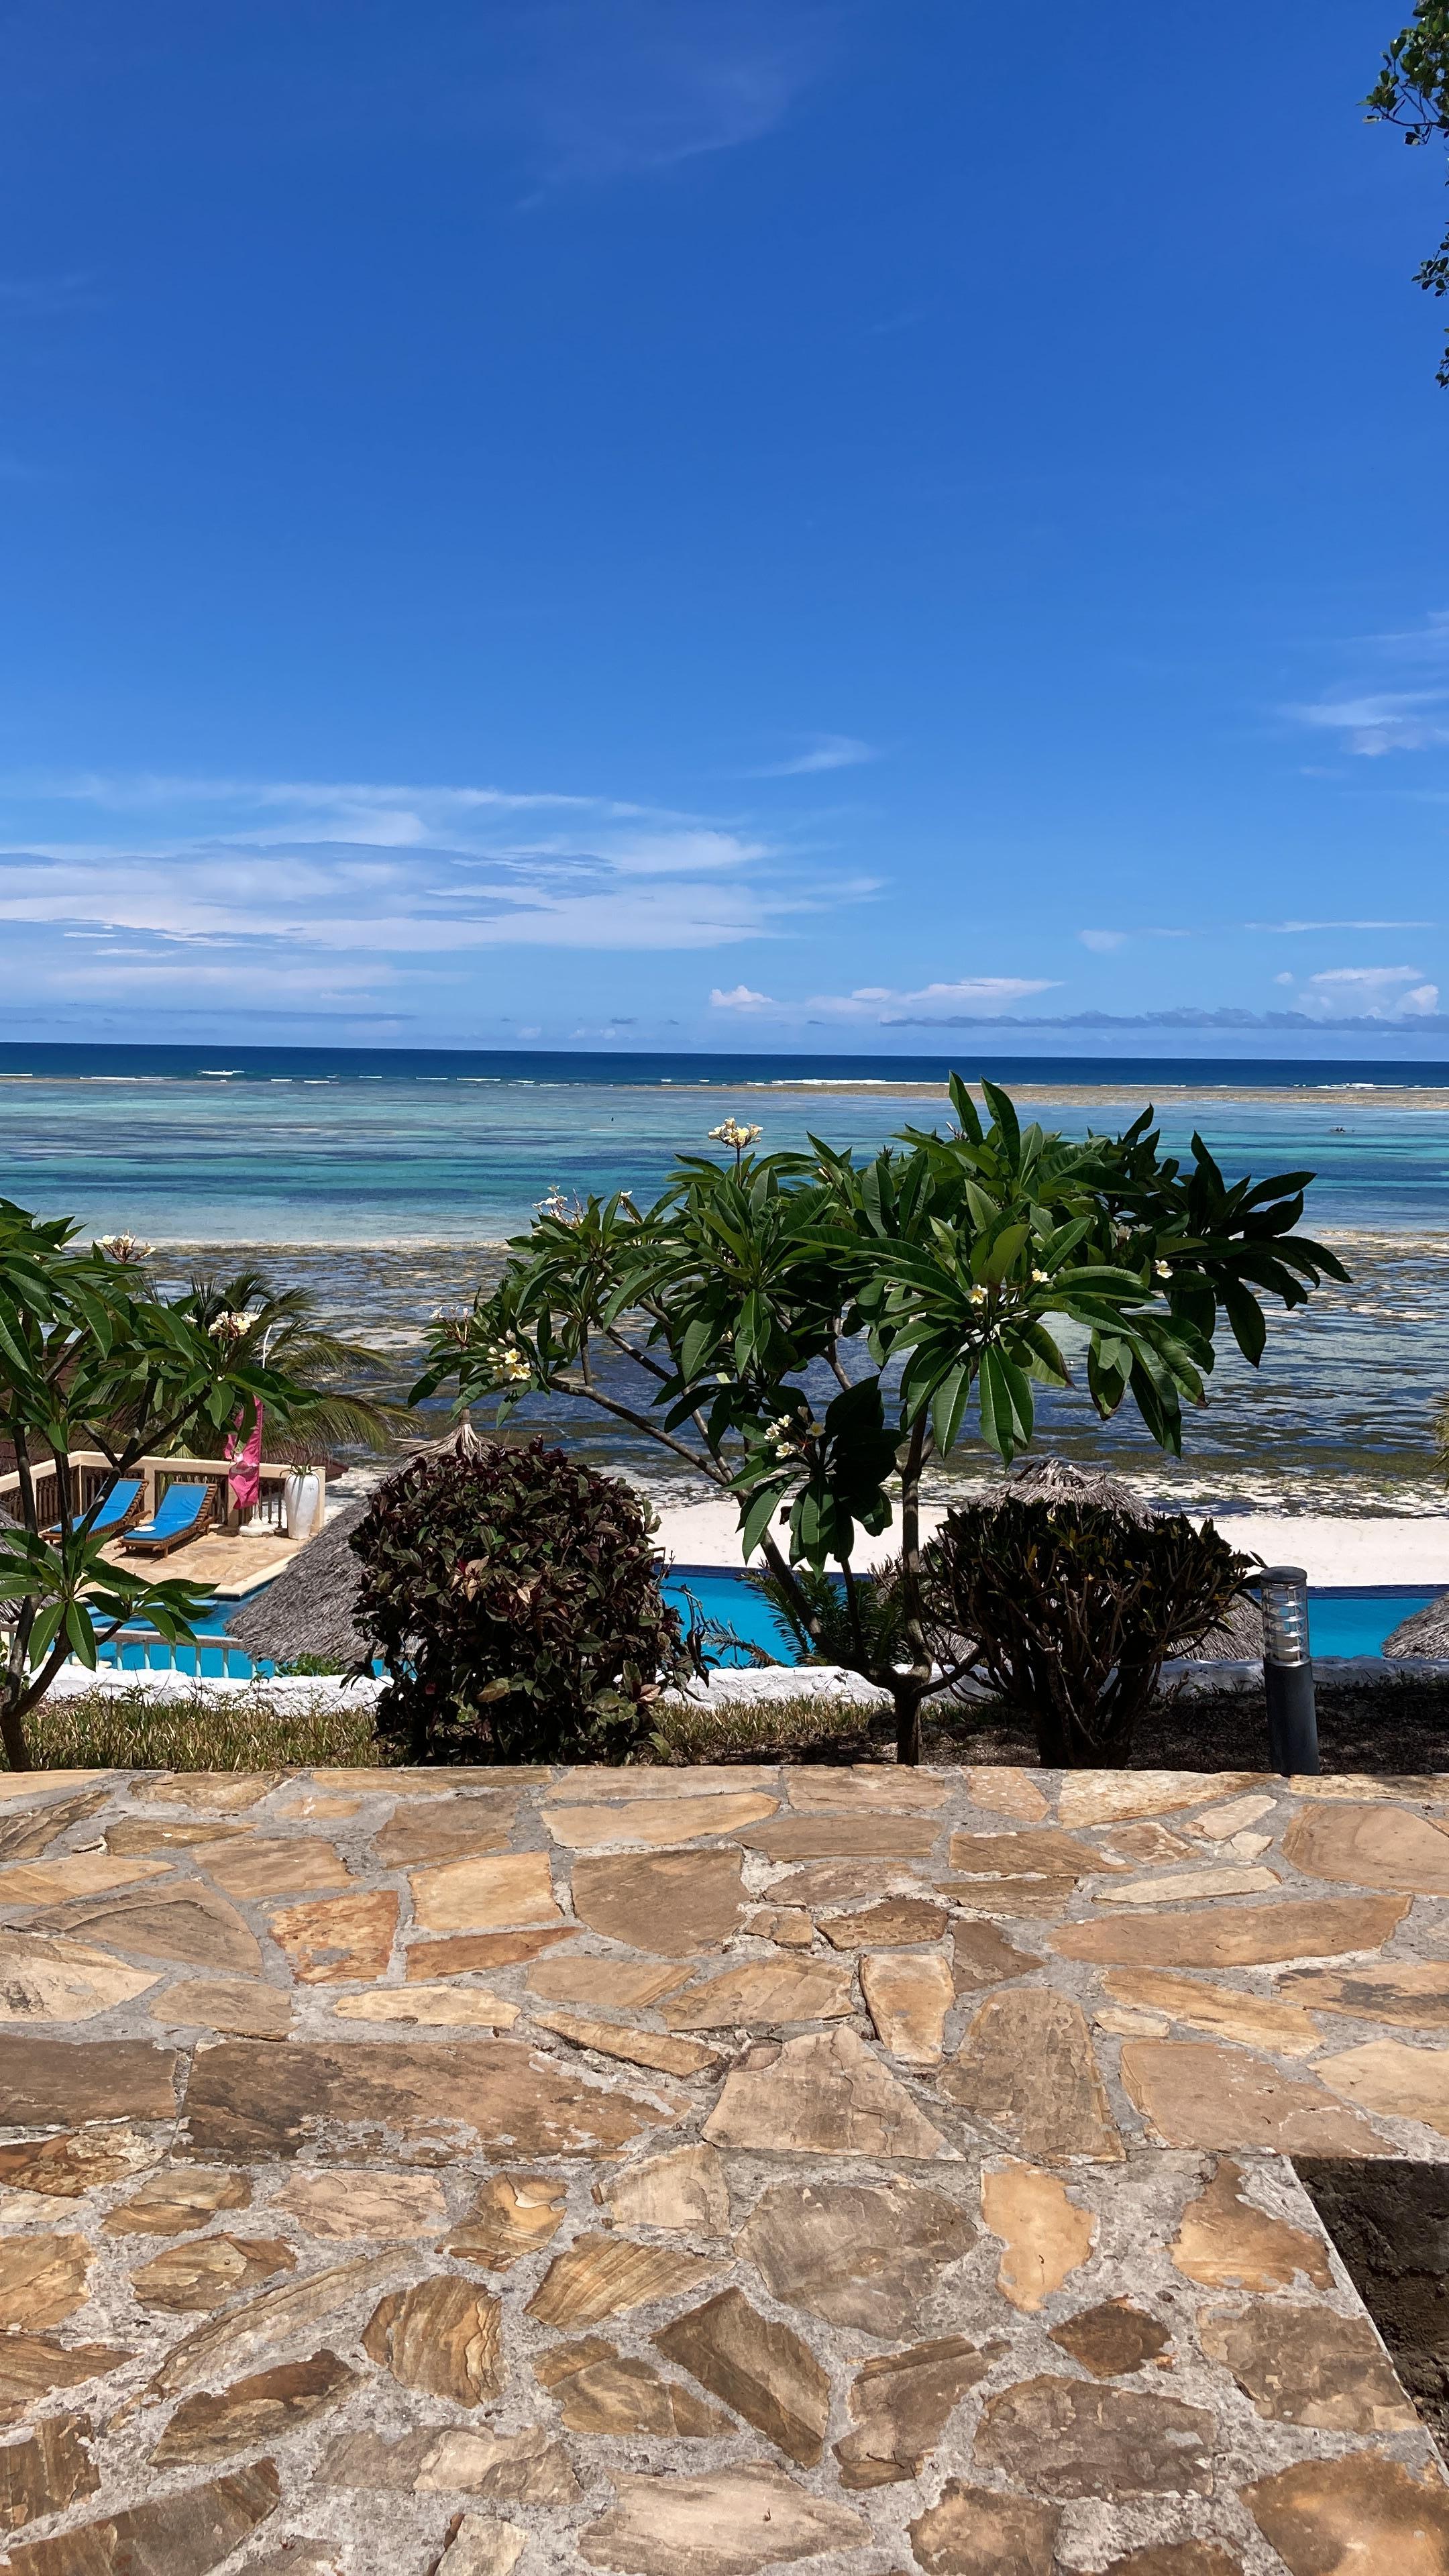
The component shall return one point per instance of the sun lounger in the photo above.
(121, 1505)
(183, 1513)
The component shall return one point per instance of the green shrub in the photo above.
(513, 1596)
(1073, 1609)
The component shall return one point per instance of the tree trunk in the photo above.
(12, 1732)
(907, 1693)
(909, 1688)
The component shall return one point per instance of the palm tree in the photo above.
(281, 1326)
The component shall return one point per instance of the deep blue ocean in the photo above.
(386, 1181)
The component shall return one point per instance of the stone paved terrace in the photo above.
(694, 2172)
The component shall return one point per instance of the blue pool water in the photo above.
(717, 1595)
(1342, 1621)
(1349, 1622)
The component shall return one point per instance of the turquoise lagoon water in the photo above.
(350, 1150)
(387, 1182)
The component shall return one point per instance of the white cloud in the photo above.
(1372, 722)
(1378, 991)
(742, 998)
(1367, 992)
(1277, 927)
(1392, 720)
(684, 853)
(1103, 942)
(249, 885)
(887, 1008)
(823, 751)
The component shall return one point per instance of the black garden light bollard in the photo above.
(1288, 1670)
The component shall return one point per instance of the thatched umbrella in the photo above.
(1055, 1480)
(1424, 1632)
(1238, 1637)
(310, 1609)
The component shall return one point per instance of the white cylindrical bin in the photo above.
(301, 1499)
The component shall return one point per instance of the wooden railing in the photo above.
(91, 1475)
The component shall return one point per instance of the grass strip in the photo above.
(136, 1730)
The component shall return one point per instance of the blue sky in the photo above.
(682, 522)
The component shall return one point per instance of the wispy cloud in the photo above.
(365, 889)
(610, 89)
(879, 1003)
(1373, 721)
(1392, 720)
(1103, 942)
(821, 752)
(1279, 927)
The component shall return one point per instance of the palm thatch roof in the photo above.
(1424, 1632)
(1055, 1480)
(310, 1608)
(1238, 1638)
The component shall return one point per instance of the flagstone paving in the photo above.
(687, 2173)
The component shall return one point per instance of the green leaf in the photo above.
(1003, 1255)
(81, 1634)
(1007, 1411)
(965, 1109)
(755, 1521)
(1250, 1329)
(698, 1340)
(1003, 1117)
(948, 1405)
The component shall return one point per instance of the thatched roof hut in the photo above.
(309, 1609)
(1238, 1638)
(1055, 1480)
(1424, 1632)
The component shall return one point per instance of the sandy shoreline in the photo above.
(1430, 1097)
(1089, 1095)
(1333, 1550)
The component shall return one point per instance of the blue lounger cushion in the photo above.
(120, 1502)
(180, 1511)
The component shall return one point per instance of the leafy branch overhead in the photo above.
(1412, 92)
(810, 1332)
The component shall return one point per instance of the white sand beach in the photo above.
(1332, 1548)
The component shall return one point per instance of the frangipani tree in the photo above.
(812, 1332)
(92, 1359)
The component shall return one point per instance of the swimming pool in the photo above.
(1352, 1620)
(1342, 1620)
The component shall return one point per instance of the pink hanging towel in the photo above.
(245, 1478)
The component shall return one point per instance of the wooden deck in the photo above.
(229, 1564)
